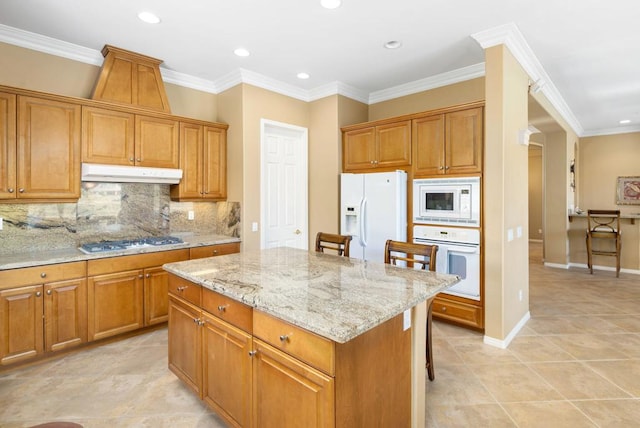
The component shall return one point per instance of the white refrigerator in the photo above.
(373, 208)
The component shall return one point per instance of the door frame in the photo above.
(303, 138)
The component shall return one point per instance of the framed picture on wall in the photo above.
(628, 191)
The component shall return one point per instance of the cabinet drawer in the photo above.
(42, 274)
(458, 312)
(184, 289)
(214, 250)
(300, 343)
(232, 311)
(135, 261)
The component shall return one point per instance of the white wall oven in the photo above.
(458, 254)
(447, 201)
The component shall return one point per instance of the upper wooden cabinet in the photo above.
(48, 149)
(7, 146)
(121, 138)
(382, 146)
(448, 143)
(203, 159)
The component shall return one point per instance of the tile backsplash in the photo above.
(110, 211)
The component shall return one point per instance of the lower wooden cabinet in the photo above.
(255, 370)
(448, 308)
(127, 293)
(44, 316)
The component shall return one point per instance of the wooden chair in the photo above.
(604, 225)
(396, 250)
(330, 241)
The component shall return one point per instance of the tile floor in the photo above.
(576, 363)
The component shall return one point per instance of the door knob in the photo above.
(297, 232)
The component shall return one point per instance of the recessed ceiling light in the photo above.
(330, 4)
(303, 76)
(241, 52)
(393, 44)
(148, 17)
(625, 121)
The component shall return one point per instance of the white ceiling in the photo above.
(587, 49)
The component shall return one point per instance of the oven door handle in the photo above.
(470, 250)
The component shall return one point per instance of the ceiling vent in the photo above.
(131, 79)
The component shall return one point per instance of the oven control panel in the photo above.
(446, 234)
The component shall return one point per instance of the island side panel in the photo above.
(373, 378)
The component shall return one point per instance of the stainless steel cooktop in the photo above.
(128, 244)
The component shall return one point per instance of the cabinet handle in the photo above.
(43, 275)
(284, 338)
(441, 168)
(196, 320)
(222, 308)
(138, 160)
(181, 289)
(140, 276)
(21, 190)
(48, 292)
(215, 252)
(444, 309)
(11, 190)
(148, 275)
(446, 167)
(252, 353)
(38, 294)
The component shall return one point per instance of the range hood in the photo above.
(129, 174)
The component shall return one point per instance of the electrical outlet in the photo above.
(254, 226)
(191, 215)
(519, 231)
(520, 295)
(540, 231)
(509, 235)
(1, 221)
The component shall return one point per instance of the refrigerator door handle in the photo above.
(363, 219)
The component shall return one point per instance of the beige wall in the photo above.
(535, 192)
(601, 160)
(458, 93)
(506, 262)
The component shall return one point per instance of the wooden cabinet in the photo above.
(127, 293)
(382, 146)
(122, 138)
(107, 136)
(203, 159)
(214, 250)
(156, 141)
(458, 311)
(41, 310)
(448, 143)
(40, 145)
(7, 146)
(185, 342)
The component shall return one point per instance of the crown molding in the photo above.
(49, 45)
(189, 81)
(339, 88)
(439, 80)
(510, 36)
(611, 131)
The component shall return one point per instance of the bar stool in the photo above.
(604, 225)
(392, 251)
(330, 241)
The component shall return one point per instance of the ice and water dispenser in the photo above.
(351, 220)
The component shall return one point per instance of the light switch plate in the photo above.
(509, 235)
(1, 221)
(254, 226)
(191, 215)
(406, 320)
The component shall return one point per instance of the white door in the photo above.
(284, 185)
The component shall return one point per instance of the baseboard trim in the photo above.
(536, 241)
(605, 268)
(503, 344)
(557, 265)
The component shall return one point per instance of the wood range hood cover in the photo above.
(131, 79)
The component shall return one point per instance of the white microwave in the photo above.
(448, 201)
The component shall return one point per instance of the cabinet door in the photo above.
(156, 142)
(359, 149)
(428, 145)
(107, 136)
(185, 343)
(393, 144)
(7, 146)
(115, 304)
(215, 163)
(48, 149)
(65, 314)
(20, 323)
(464, 139)
(226, 370)
(156, 295)
(214, 250)
(288, 393)
(190, 187)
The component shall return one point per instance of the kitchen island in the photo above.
(286, 337)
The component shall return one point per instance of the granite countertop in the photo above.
(39, 258)
(335, 297)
